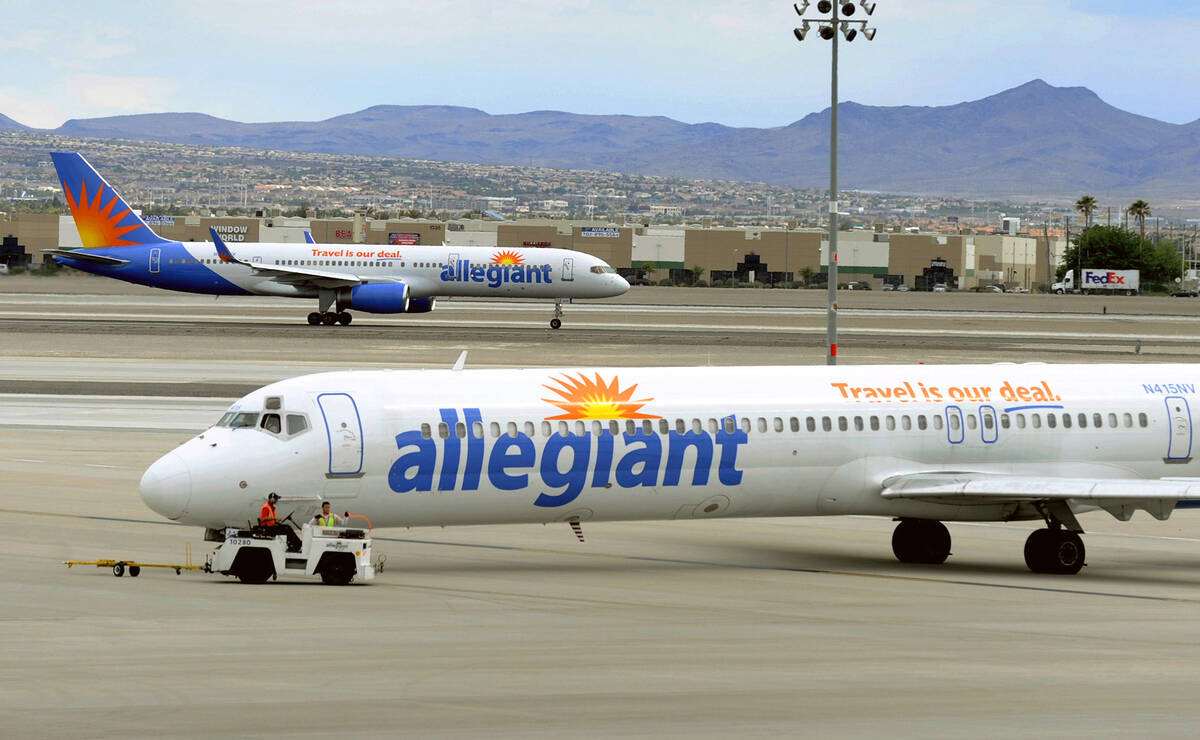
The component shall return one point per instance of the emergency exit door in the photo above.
(155, 260)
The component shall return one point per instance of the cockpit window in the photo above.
(228, 417)
(243, 420)
(296, 423)
(272, 423)
(601, 269)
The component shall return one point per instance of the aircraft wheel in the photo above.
(119, 570)
(328, 318)
(135, 571)
(344, 318)
(1050, 551)
(314, 318)
(923, 541)
(555, 323)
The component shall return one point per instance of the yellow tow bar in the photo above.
(135, 568)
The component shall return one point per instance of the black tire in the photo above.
(119, 570)
(314, 318)
(344, 318)
(1037, 550)
(1054, 551)
(135, 571)
(555, 323)
(924, 541)
(328, 318)
(254, 566)
(337, 570)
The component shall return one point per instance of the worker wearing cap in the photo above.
(268, 520)
(327, 518)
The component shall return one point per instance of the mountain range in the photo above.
(1032, 140)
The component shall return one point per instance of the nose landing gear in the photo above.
(556, 322)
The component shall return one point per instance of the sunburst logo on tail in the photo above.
(98, 226)
(507, 257)
(592, 398)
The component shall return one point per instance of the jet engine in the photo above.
(380, 297)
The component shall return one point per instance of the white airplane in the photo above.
(923, 444)
(375, 278)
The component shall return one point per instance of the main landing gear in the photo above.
(1057, 549)
(556, 322)
(329, 318)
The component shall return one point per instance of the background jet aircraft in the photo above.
(375, 278)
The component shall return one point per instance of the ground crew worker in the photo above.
(327, 518)
(268, 520)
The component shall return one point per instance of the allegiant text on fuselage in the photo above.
(462, 271)
(564, 461)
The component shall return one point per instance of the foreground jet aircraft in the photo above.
(923, 444)
(375, 278)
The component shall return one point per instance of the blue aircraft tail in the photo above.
(102, 216)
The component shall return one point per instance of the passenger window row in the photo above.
(331, 263)
(778, 424)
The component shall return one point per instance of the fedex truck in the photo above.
(1098, 280)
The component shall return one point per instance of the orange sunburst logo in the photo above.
(507, 257)
(98, 226)
(592, 398)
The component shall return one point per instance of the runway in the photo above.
(672, 629)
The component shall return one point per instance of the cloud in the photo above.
(108, 95)
(31, 111)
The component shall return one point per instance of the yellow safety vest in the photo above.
(327, 521)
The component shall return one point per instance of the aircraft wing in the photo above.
(85, 256)
(1118, 496)
(287, 273)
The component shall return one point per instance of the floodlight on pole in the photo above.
(828, 29)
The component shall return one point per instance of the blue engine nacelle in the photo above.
(421, 305)
(380, 298)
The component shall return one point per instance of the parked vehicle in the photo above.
(1100, 281)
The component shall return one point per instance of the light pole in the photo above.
(827, 28)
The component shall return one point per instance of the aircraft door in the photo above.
(343, 430)
(452, 261)
(568, 273)
(155, 260)
(1179, 415)
(954, 425)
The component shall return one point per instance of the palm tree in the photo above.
(1140, 209)
(697, 273)
(1086, 205)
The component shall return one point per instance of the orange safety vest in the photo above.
(267, 516)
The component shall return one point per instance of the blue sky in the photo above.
(734, 62)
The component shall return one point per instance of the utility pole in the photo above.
(827, 28)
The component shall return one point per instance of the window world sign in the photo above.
(232, 233)
(600, 232)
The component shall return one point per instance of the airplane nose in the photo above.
(622, 284)
(167, 485)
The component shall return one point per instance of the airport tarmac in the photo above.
(670, 629)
